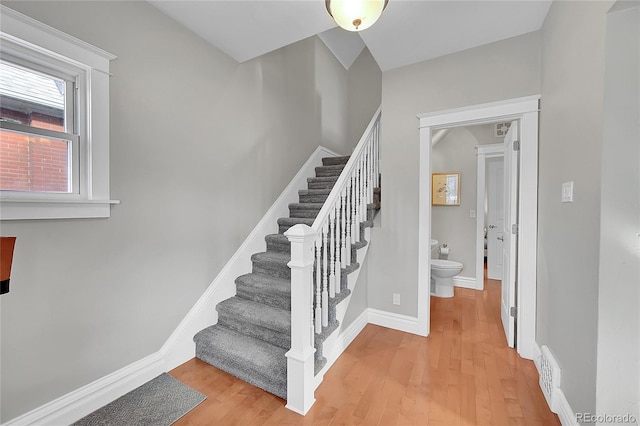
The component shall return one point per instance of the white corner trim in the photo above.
(392, 320)
(560, 404)
(466, 282)
(179, 347)
(80, 402)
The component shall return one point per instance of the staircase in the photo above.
(253, 332)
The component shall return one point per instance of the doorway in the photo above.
(525, 110)
(495, 218)
(490, 159)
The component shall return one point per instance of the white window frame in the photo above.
(34, 42)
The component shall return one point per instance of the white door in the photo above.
(509, 236)
(495, 217)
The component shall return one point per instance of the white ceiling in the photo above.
(408, 31)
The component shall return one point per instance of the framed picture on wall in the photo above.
(445, 189)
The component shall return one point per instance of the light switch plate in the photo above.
(567, 192)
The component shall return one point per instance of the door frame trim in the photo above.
(525, 110)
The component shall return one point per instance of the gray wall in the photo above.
(618, 379)
(451, 224)
(501, 70)
(365, 94)
(572, 77)
(200, 148)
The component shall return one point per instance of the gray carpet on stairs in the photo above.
(159, 402)
(253, 332)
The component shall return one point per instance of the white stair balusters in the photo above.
(318, 314)
(338, 258)
(318, 256)
(354, 217)
(332, 261)
(343, 228)
(325, 293)
(348, 220)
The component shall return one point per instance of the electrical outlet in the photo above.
(567, 192)
(396, 299)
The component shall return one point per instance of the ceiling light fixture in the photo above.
(355, 15)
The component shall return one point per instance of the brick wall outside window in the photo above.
(33, 163)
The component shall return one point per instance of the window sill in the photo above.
(13, 209)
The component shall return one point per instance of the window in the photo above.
(54, 123)
(38, 138)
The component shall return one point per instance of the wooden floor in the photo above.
(462, 374)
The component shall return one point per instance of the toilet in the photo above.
(442, 273)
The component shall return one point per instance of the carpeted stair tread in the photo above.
(278, 242)
(324, 191)
(322, 182)
(253, 360)
(308, 210)
(272, 263)
(306, 206)
(285, 223)
(332, 161)
(350, 268)
(313, 195)
(359, 244)
(265, 289)
(257, 320)
(323, 171)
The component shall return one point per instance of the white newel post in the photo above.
(300, 359)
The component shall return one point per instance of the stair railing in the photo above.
(324, 249)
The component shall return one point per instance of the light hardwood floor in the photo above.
(462, 374)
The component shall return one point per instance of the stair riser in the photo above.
(283, 228)
(273, 269)
(249, 293)
(306, 213)
(274, 382)
(320, 185)
(313, 198)
(281, 339)
(279, 247)
(328, 171)
(332, 161)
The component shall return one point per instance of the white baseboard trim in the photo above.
(80, 402)
(563, 410)
(392, 320)
(559, 404)
(342, 342)
(179, 347)
(537, 357)
(466, 282)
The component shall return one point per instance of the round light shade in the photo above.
(355, 15)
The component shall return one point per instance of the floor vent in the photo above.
(549, 377)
